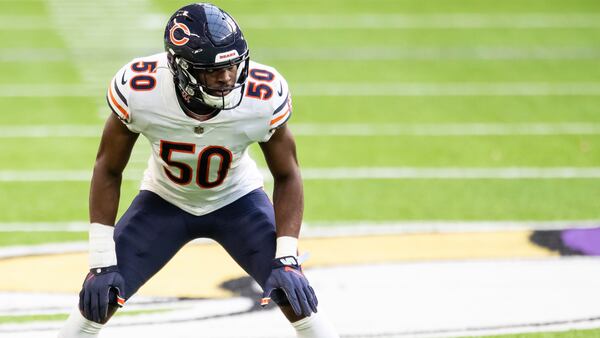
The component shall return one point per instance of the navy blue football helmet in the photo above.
(200, 38)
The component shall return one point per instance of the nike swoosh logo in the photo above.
(123, 81)
(280, 91)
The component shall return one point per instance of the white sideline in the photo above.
(348, 228)
(347, 173)
(347, 129)
(340, 89)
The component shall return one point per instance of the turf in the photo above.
(42, 237)
(448, 151)
(443, 71)
(322, 151)
(28, 38)
(345, 151)
(25, 111)
(26, 72)
(10, 8)
(390, 200)
(316, 62)
(62, 316)
(42, 55)
(433, 110)
(299, 38)
(400, 6)
(565, 334)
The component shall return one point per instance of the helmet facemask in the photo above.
(191, 80)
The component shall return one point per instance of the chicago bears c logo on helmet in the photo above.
(182, 41)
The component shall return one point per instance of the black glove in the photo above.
(287, 276)
(101, 287)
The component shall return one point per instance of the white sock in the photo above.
(315, 326)
(77, 326)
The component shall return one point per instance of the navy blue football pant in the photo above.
(152, 231)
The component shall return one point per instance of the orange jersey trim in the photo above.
(112, 99)
(277, 119)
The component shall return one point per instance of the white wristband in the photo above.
(286, 246)
(102, 246)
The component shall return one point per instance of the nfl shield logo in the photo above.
(199, 130)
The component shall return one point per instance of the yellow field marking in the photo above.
(198, 270)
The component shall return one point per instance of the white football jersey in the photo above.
(199, 166)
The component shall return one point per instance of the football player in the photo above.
(200, 104)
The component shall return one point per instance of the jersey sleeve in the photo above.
(118, 98)
(282, 107)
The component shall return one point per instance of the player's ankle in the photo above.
(78, 326)
(315, 326)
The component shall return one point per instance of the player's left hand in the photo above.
(287, 276)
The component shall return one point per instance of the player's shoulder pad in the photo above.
(118, 93)
(278, 97)
(122, 86)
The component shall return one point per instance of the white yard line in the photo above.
(448, 89)
(46, 131)
(331, 228)
(147, 20)
(87, 27)
(51, 90)
(443, 129)
(339, 53)
(348, 173)
(352, 89)
(346, 129)
(510, 173)
(365, 228)
(420, 21)
(429, 53)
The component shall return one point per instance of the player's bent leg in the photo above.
(248, 235)
(147, 236)
(246, 230)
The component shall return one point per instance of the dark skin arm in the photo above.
(113, 154)
(288, 195)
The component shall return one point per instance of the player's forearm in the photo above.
(104, 196)
(288, 202)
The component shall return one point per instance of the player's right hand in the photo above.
(102, 287)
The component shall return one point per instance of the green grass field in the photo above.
(403, 64)
(566, 334)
